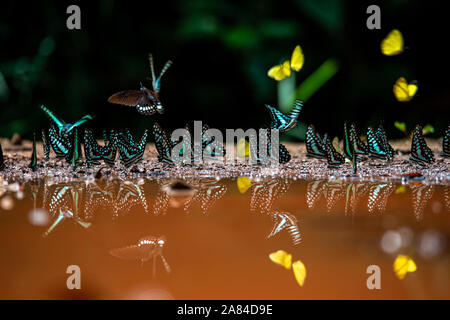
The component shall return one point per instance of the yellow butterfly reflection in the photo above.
(404, 91)
(243, 184)
(393, 43)
(281, 71)
(402, 265)
(282, 258)
(299, 272)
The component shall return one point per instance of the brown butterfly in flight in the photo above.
(145, 100)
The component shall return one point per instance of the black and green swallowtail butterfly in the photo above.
(421, 154)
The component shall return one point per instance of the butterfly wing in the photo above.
(278, 119)
(297, 59)
(446, 143)
(127, 97)
(60, 123)
(60, 144)
(375, 145)
(79, 122)
(163, 144)
(401, 90)
(313, 146)
(281, 71)
(393, 43)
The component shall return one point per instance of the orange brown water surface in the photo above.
(211, 238)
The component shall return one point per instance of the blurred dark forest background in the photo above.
(221, 51)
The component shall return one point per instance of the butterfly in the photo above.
(390, 152)
(350, 146)
(130, 153)
(281, 71)
(404, 91)
(211, 147)
(109, 151)
(60, 144)
(74, 156)
(334, 158)
(64, 128)
(446, 143)
(285, 220)
(314, 144)
(421, 154)
(145, 100)
(402, 265)
(2, 160)
(284, 122)
(281, 258)
(33, 163)
(92, 150)
(163, 144)
(360, 147)
(393, 43)
(375, 144)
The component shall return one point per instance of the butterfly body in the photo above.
(282, 122)
(421, 154)
(145, 101)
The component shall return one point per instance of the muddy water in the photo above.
(204, 239)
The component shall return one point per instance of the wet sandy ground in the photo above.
(300, 167)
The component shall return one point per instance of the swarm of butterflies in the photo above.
(65, 141)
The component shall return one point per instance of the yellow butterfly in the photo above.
(403, 90)
(281, 71)
(299, 272)
(243, 184)
(243, 148)
(402, 265)
(392, 44)
(297, 59)
(282, 258)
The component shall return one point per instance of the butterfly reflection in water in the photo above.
(149, 247)
(145, 101)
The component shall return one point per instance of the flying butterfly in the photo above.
(64, 128)
(421, 154)
(446, 143)
(283, 70)
(314, 145)
(145, 101)
(393, 43)
(404, 91)
(284, 122)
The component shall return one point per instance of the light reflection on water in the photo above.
(201, 238)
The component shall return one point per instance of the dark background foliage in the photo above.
(221, 52)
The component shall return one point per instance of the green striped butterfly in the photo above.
(446, 143)
(64, 128)
(421, 154)
(284, 122)
(314, 145)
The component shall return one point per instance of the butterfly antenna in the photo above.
(164, 69)
(152, 68)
